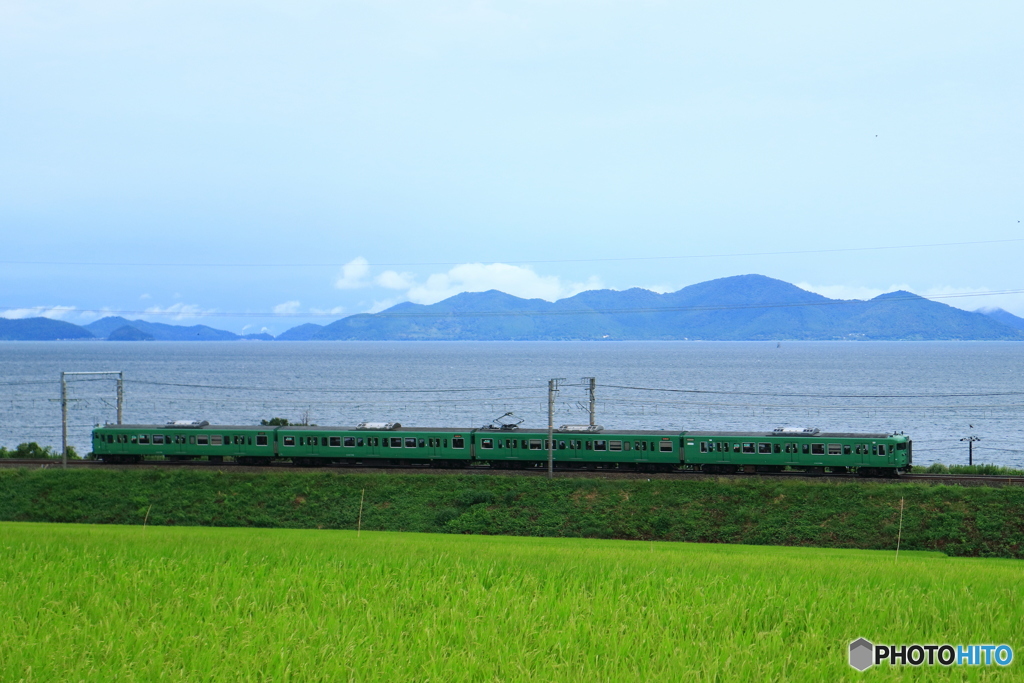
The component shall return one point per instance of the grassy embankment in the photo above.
(962, 521)
(114, 603)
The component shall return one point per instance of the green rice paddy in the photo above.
(114, 603)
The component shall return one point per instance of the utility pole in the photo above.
(552, 390)
(592, 383)
(970, 447)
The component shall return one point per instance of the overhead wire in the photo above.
(235, 264)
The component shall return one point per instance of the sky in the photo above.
(258, 165)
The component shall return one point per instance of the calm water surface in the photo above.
(934, 391)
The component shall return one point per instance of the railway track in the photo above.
(562, 472)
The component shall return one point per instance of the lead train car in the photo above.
(389, 444)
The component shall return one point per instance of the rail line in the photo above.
(563, 472)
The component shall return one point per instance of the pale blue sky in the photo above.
(190, 142)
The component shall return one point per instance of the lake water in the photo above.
(933, 391)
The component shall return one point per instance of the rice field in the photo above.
(113, 603)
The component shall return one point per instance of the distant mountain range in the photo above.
(739, 308)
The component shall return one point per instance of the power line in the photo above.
(784, 395)
(457, 263)
(362, 390)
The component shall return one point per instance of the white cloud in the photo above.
(145, 296)
(337, 310)
(379, 306)
(354, 274)
(55, 312)
(179, 311)
(478, 277)
(394, 280)
(287, 308)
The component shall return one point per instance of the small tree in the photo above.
(275, 422)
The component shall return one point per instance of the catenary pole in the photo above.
(64, 405)
(551, 427)
(592, 385)
(63, 420)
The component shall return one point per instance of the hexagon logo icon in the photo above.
(862, 654)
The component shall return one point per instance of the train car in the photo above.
(582, 447)
(375, 444)
(183, 441)
(801, 449)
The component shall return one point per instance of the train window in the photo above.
(143, 438)
(835, 449)
(486, 443)
(625, 445)
(535, 445)
(561, 445)
(458, 442)
(410, 442)
(881, 449)
(192, 439)
(445, 443)
(901, 446)
(289, 441)
(720, 446)
(748, 448)
(588, 445)
(203, 440)
(764, 448)
(313, 441)
(615, 445)
(110, 438)
(261, 439)
(805, 448)
(240, 440)
(158, 438)
(666, 446)
(334, 441)
(846, 449)
(778, 448)
(817, 449)
(735, 448)
(396, 442)
(704, 447)
(600, 445)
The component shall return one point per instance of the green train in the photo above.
(380, 444)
